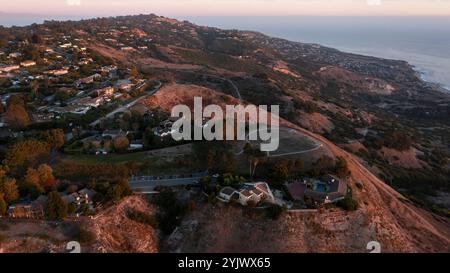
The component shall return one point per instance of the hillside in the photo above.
(389, 126)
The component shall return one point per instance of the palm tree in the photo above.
(255, 157)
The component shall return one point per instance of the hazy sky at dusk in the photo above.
(228, 7)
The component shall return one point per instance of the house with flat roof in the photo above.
(247, 194)
(328, 189)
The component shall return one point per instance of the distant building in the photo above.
(88, 80)
(66, 45)
(58, 72)
(15, 55)
(104, 92)
(127, 48)
(28, 63)
(8, 68)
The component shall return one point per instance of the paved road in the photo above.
(148, 184)
(236, 89)
(123, 108)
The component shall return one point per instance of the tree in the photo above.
(26, 151)
(322, 166)
(119, 191)
(3, 205)
(399, 141)
(341, 168)
(255, 157)
(32, 182)
(231, 180)
(15, 99)
(40, 180)
(17, 117)
(34, 88)
(56, 207)
(278, 173)
(46, 178)
(35, 38)
(54, 138)
(9, 189)
(218, 155)
(8, 186)
(121, 143)
(134, 73)
(348, 204)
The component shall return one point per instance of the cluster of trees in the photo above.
(230, 180)
(24, 161)
(143, 218)
(16, 113)
(218, 155)
(98, 172)
(397, 140)
(307, 106)
(56, 208)
(40, 180)
(171, 210)
(9, 191)
(24, 153)
(326, 164)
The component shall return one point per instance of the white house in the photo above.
(227, 193)
(248, 193)
(28, 63)
(8, 68)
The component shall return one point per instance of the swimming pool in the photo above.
(320, 187)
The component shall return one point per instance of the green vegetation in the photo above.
(56, 207)
(3, 205)
(171, 211)
(217, 155)
(118, 191)
(274, 212)
(24, 153)
(348, 203)
(142, 218)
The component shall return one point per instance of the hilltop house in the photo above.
(247, 194)
(327, 189)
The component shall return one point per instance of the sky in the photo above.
(229, 7)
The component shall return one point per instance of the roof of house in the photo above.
(228, 191)
(88, 192)
(297, 190)
(246, 193)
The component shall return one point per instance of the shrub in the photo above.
(83, 235)
(56, 207)
(143, 218)
(274, 212)
(348, 204)
(341, 168)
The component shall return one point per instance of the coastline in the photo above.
(421, 73)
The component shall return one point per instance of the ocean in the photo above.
(422, 41)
